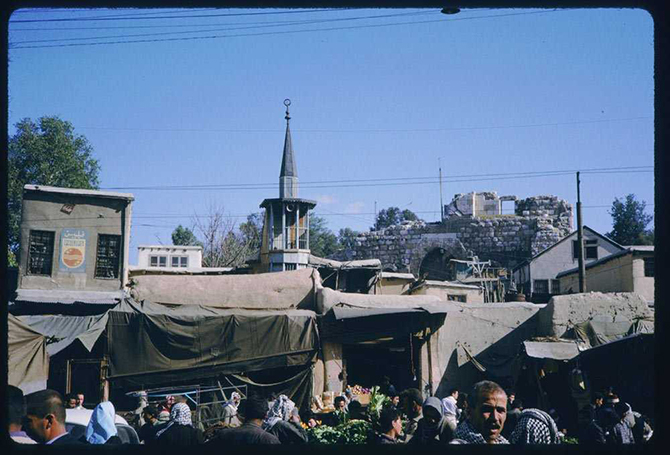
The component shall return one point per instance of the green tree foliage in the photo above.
(393, 215)
(251, 231)
(184, 236)
(346, 239)
(46, 152)
(629, 222)
(322, 241)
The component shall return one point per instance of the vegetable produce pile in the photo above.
(351, 432)
(359, 390)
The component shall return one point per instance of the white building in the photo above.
(169, 256)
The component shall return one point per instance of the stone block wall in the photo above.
(539, 222)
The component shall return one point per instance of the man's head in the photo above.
(80, 399)
(71, 401)
(17, 408)
(150, 414)
(598, 399)
(45, 415)
(488, 404)
(511, 396)
(340, 403)
(252, 408)
(454, 392)
(395, 400)
(412, 401)
(389, 421)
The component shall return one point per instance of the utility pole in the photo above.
(439, 165)
(375, 215)
(580, 242)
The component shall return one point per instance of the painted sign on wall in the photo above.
(73, 250)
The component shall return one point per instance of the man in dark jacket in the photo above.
(412, 400)
(45, 417)
(251, 412)
(179, 431)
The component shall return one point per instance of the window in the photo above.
(179, 261)
(590, 249)
(40, 252)
(289, 266)
(649, 267)
(555, 286)
(541, 286)
(456, 298)
(158, 261)
(108, 256)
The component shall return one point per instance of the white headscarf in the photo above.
(179, 415)
(281, 410)
(232, 402)
(101, 426)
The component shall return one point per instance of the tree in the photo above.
(223, 245)
(184, 236)
(251, 230)
(322, 241)
(346, 239)
(629, 222)
(46, 152)
(392, 216)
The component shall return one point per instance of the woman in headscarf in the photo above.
(179, 431)
(283, 422)
(433, 427)
(535, 426)
(230, 411)
(101, 428)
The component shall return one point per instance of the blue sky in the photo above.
(499, 96)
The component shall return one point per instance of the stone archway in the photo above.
(436, 266)
(437, 246)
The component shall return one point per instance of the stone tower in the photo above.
(285, 243)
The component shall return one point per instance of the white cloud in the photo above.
(355, 207)
(325, 199)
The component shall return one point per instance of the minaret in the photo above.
(288, 177)
(285, 243)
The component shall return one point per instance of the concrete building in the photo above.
(537, 277)
(630, 270)
(169, 256)
(449, 290)
(73, 240)
(285, 237)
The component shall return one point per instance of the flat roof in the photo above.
(79, 192)
(171, 247)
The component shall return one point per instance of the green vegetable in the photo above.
(351, 432)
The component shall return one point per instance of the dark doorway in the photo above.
(367, 364)
(436, 266)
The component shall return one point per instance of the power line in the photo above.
(388, 130)
(108, 18)
(239, 27)
(392, 181)
(283, 32)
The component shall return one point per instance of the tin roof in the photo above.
(80, 192)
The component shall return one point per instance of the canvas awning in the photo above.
(61, 331)
(556, 350)
(28, 362)
(269, 291)
(191, 340)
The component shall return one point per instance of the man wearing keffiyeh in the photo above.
(488, 404)
(180, 430)
(535, 427)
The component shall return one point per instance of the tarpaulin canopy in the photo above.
(271, 291)
(328, 298)
(62, 331)
(603, 329)
(28, 362)
(185, 342)
(331, 263)
(556, 350)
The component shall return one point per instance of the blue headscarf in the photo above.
(101, 426)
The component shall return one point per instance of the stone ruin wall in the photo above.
(538, 223)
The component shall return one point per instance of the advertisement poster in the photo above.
(73, 250)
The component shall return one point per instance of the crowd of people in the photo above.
(486, 415)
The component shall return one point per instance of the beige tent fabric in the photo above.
(28, 362)
(327, 298)
(265, 291)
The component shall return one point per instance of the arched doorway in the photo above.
(435, 265)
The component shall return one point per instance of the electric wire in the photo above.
(280, 32)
